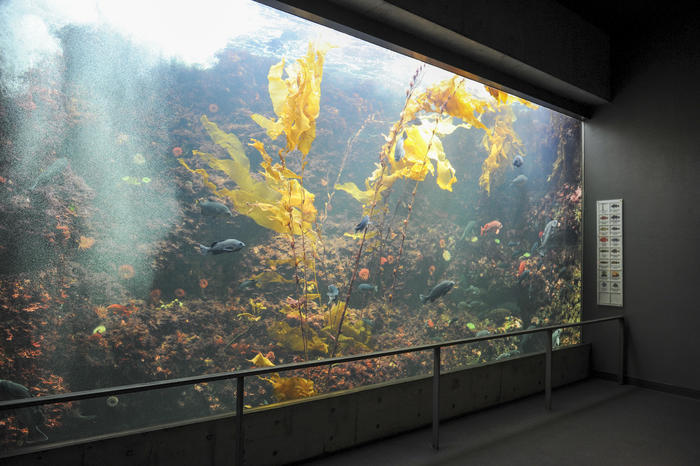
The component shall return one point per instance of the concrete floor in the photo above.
(595, 422)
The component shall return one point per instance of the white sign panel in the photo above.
(609, 263)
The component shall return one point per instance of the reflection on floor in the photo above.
(595, 422)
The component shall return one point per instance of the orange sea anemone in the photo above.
(431, 269)
(203, 283)
(363, 274)
(126, 271)
(213, 108)
(442, 243)
(180, 293)
(177, 151)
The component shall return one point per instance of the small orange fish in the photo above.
(116, 308)
(493, 225)
(521, 268)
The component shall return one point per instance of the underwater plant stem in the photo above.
(404, 227)
(296, 268)
(384, 163)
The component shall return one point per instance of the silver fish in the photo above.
(220, 247)
(548, 231)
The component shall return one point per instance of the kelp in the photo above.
(285, 388)
(352, 334)
(502, 145)
(296, 100)
(291, 338)
(291, 388)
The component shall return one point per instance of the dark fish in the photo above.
(548, 231)
(513, 243)
(51, 172)
(399, 151)
(31, 417)
(247, 284)
(214, 209)
(519, 180)
(364, 223)
(534, 247)
(367, 287)
(220, 247)
(332, 294)
(524, 275)
(438, 290)
(518, 161)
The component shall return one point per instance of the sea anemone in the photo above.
(180, 293)
(363, 274)
(203, 283)
(431, 269)
(112, 401)
(126, 271)
(177, 151)
(213, 108)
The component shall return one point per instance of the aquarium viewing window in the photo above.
(181, 197)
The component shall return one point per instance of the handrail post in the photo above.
(240, 385)
(621, 351)
(436, 398)
(548, 372)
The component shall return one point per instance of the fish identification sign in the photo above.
(609, 261)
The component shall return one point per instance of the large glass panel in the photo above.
(198, 188)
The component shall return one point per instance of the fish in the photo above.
(492, 225)
(548, 231)
(438, 290)
(332, 294)
(513, 243)
(518, 161)
(615, 217)
(364, 223)
(483, 333)
(473, 290)
(524, 275)
(247, 284)
(603, 239)
(214, 209)
(534, 246)
(521, 268)
(30, 417)
(364, 287)
(220, 247)
(519, 180)
(399, 150)
(51, 172)
(603, 217)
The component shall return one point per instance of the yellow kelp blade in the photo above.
(292, 388)
(296, 100)
(261, 361)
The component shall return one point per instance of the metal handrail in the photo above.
(242, 374)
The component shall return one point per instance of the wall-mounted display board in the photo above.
(609, 263)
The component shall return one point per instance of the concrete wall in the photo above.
(644, 147)
(295, 431)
